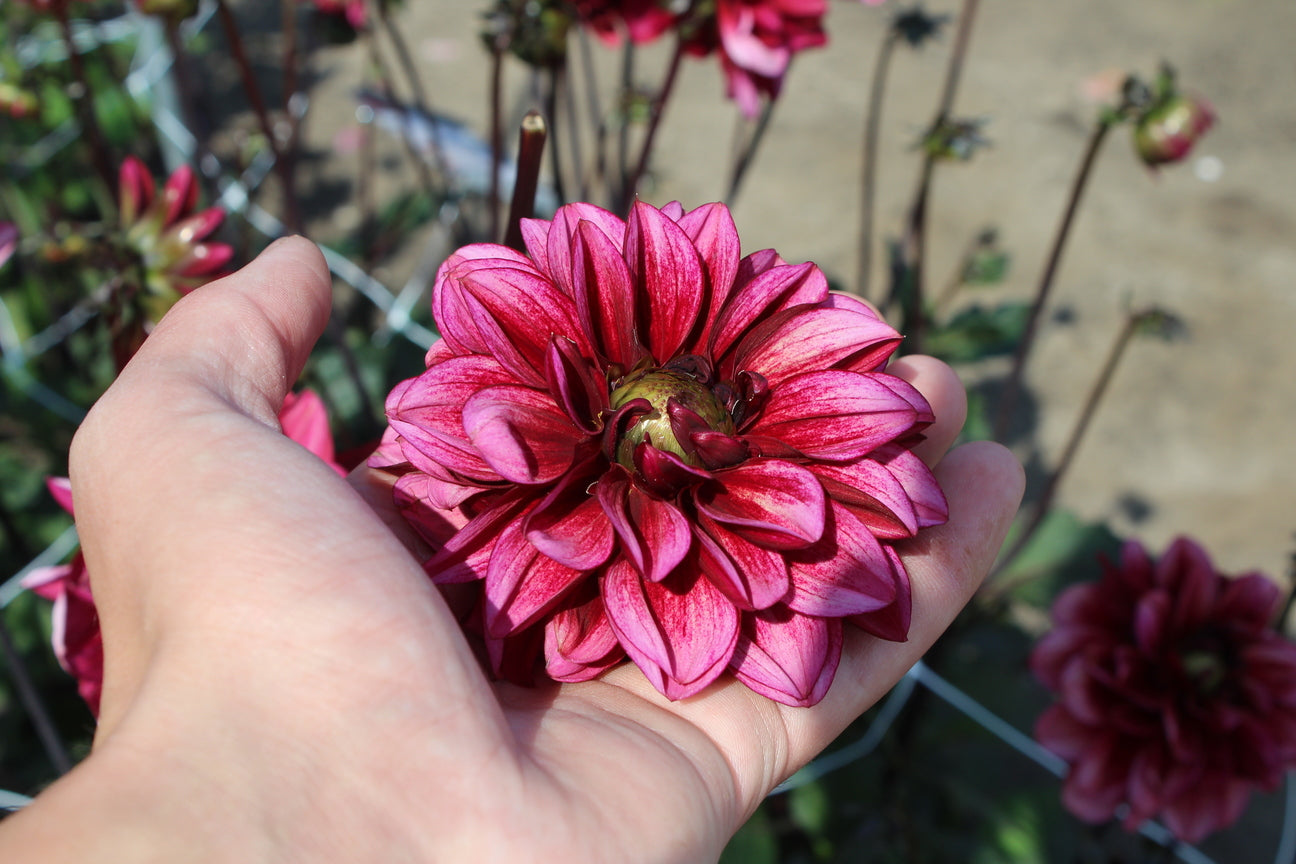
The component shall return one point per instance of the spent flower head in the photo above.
(1177, 696)
(168, 235)
(632, 441)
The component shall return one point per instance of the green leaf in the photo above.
(755, 842)
(979, 332)
(1063, 551)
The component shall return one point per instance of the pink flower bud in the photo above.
(1168, 132)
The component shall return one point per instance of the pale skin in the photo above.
(283, 684)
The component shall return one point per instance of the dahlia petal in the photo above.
(1207, 808)
(1187, 564)
(811, 338)
(845, 573)
(582, 633)
(180, 193)
(891, 622)
(304, 420)
(1251, 599)
(50, 582)
(920, 484)
(771, 503)
(419, 505)
(605, 298)
(197, 227)
(1096, 784)
(737, 25)
(516, 312)
(673, 210)
(910, 394)
(203, 259)
(1151, 621)
(569, 525)
(680, 632)
(751, 576)
(779, 287)
(137, 190)
(575, 385)
(453, 319)
(713, 233)
(664, 473)
(834, 415)
(426, 412)
(466, 556)
(521, 583)
(654, 534)
(513, 658)
(872, 492)
(535, 239)
(668, 275)
(559, 251)
(788, 657)
(1062, 734)
(61, 489)
(521, 433)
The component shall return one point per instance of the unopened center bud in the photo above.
(659, 386)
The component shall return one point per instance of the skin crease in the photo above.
(283, 684)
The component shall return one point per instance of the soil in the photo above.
(1195, 435)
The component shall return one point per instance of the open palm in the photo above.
(283, 683)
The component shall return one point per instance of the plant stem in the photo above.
(385, 83)
(184, 84)
(292, 213)
(496, 135)
(595, 110)
(421, 101)
(84, 101)
(551, 84)
(1087, 412)
(1007, 402)
(868, 181)
(914, 245)
(654, 122)
(31, 701)
(531, 144)
(748, 155)
(574, 146)
(622, 195)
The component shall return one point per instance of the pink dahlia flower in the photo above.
(77, 641)
(168, 236)
(756, 40)
(1177, 696)
(632, 441)
(612, 20)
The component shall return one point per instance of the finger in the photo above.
(983, 483)
(213, 540)
(947, 397)
(763, 741)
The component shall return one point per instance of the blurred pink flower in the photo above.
(1177, 695)
(353, 10)
(77, 641)
(640, 20)
(166, 234)
(8, 241)
(634, 441)
(756, 40)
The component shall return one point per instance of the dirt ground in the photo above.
(1196, 435)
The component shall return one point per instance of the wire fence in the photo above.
(148, 75)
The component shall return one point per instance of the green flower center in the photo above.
(658, 386)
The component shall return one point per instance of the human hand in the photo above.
(282, 682)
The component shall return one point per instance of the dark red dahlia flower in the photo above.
(1177, 696)
(634, 441)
